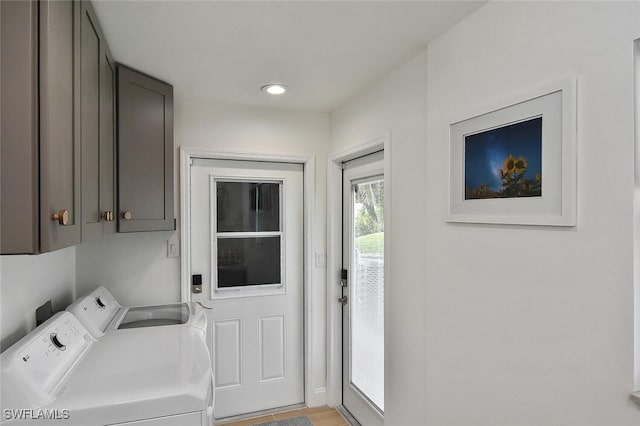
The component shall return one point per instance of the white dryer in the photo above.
(60, 375)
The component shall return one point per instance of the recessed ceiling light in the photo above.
(274, 89)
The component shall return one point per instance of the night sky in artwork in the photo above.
(485, 152)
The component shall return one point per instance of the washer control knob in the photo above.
(57, 342)
(100, 303)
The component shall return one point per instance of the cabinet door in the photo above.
(19, 129)
(59, 124)
(96, 127)
(90, 124)
(145, 153)
(107, 138)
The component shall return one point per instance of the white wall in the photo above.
(27, 282)
(509, 324)
(398, 104)
(533, 325)
(135, 267)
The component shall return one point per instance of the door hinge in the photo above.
(343, 300)
(343, 278)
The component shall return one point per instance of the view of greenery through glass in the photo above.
(369, 217)
(367, 292)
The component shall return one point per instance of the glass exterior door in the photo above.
(363, 312)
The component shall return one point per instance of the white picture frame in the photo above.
(541, 123)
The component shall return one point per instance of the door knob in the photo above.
(62, 217)
(108, 216)
(343, 300)
(127, 215)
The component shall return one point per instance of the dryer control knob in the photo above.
(57, 342)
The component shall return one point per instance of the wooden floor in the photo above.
(319, 416)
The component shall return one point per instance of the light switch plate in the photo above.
(173, 246)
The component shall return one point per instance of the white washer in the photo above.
(60, 375)
(101, 314)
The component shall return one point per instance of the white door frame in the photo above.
(334, 255)
(636, 221)
(309, 173)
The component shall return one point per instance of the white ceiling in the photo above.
(224, 51)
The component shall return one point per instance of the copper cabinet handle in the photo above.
(62, 217)
(127, 215)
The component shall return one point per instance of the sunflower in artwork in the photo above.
(520, 165)
(514, 182)
(509, 165)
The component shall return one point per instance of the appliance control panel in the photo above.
(95, 310)
(46, 355)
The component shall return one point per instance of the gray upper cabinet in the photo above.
(40, 126)
(59, 125)
(96, 128)
(145, 152)
(57, 150)
(19, 185)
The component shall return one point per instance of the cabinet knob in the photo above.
(108, 216)
(62, 217)
(127, 215)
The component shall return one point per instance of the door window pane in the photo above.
(367, 297)
(248, 261)
(248, 206)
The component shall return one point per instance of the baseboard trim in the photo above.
(318, 398)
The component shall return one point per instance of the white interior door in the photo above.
(247, 247)
(363, 295)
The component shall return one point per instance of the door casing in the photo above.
(378, 142)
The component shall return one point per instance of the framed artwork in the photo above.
(516, 162)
